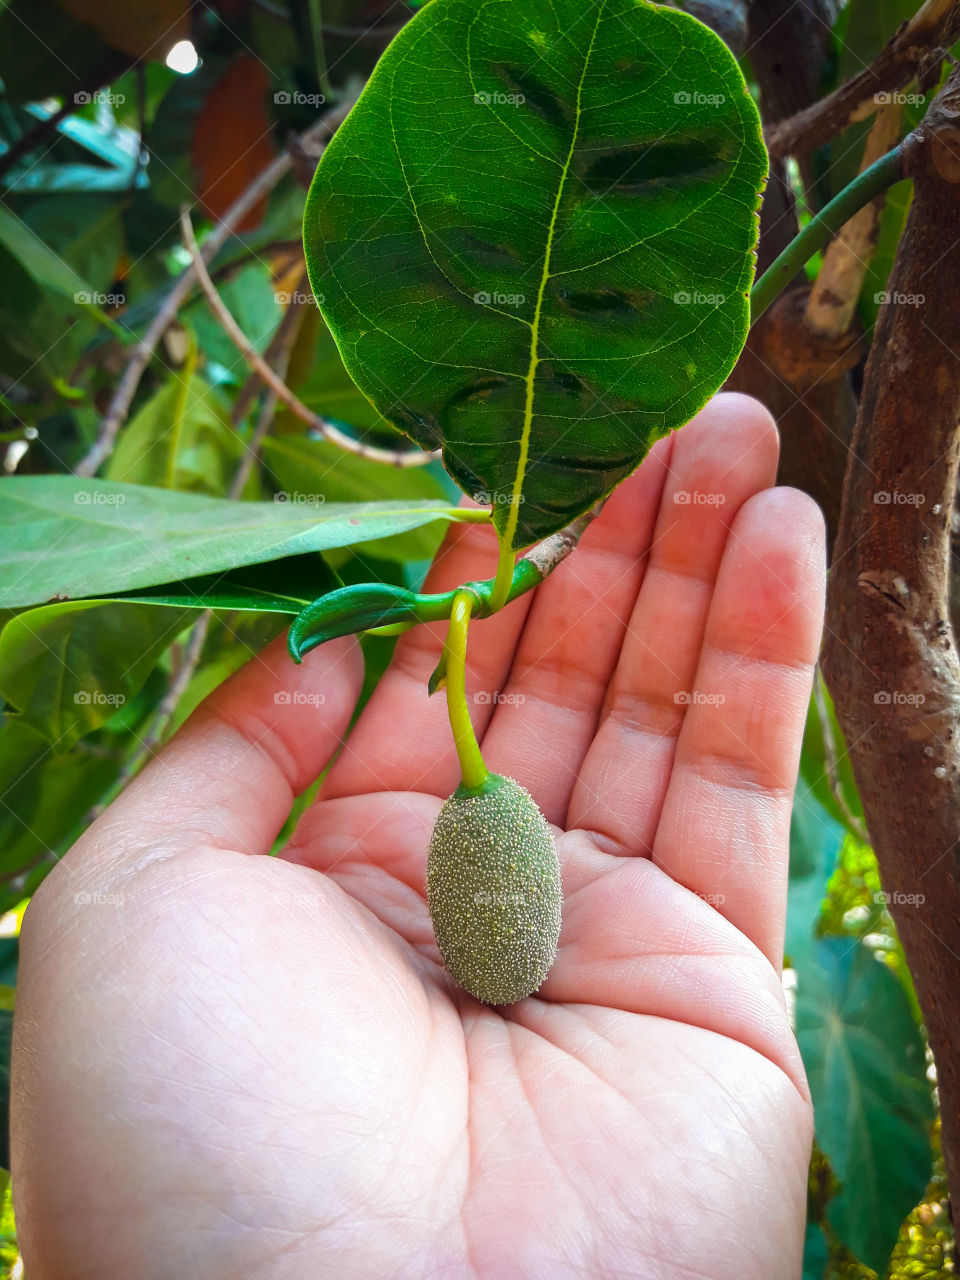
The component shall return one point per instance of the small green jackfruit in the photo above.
(493, 889)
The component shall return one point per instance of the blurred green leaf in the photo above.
(68, 537)
(864, 1057)
(45, 266)
(305, 467)
(43, 799)
(182, 438)
(868, 26)
(67, 668)
(815, 841)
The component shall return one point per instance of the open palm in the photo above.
(234, 1065)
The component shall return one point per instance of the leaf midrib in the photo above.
(513, 511)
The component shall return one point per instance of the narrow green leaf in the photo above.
(303, 468)
(47, 268)
(66, 537)
(549, 269)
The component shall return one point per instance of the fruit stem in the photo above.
(501, 583)
(472, 767)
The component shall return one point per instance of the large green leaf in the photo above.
(864, 1057)
(533, 238)
(64, 537)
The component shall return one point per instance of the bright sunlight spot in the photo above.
(183, 57)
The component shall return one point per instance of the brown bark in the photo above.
(935, 23)
(802, 379)
(890, 655)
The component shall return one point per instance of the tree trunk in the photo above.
(890, 655)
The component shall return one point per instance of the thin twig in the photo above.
(933, 26)
(546, 556)
(141, 353)
(391, 457)
(281, 349)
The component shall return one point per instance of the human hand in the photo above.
(255, 1066)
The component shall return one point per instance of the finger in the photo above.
(547, 713)
(724, 830)
(229, 776)
(402, 741)
(720, 459)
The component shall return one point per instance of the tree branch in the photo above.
(141, 353)
(890, 656)
(391, 457)
(935, 24)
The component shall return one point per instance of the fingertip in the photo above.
(736, 407)
(772, 585)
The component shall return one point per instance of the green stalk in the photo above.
(472, 767)
(822, 227)
(501, 583)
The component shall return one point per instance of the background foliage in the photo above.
(100, 143)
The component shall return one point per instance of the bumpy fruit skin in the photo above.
(493, 889)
